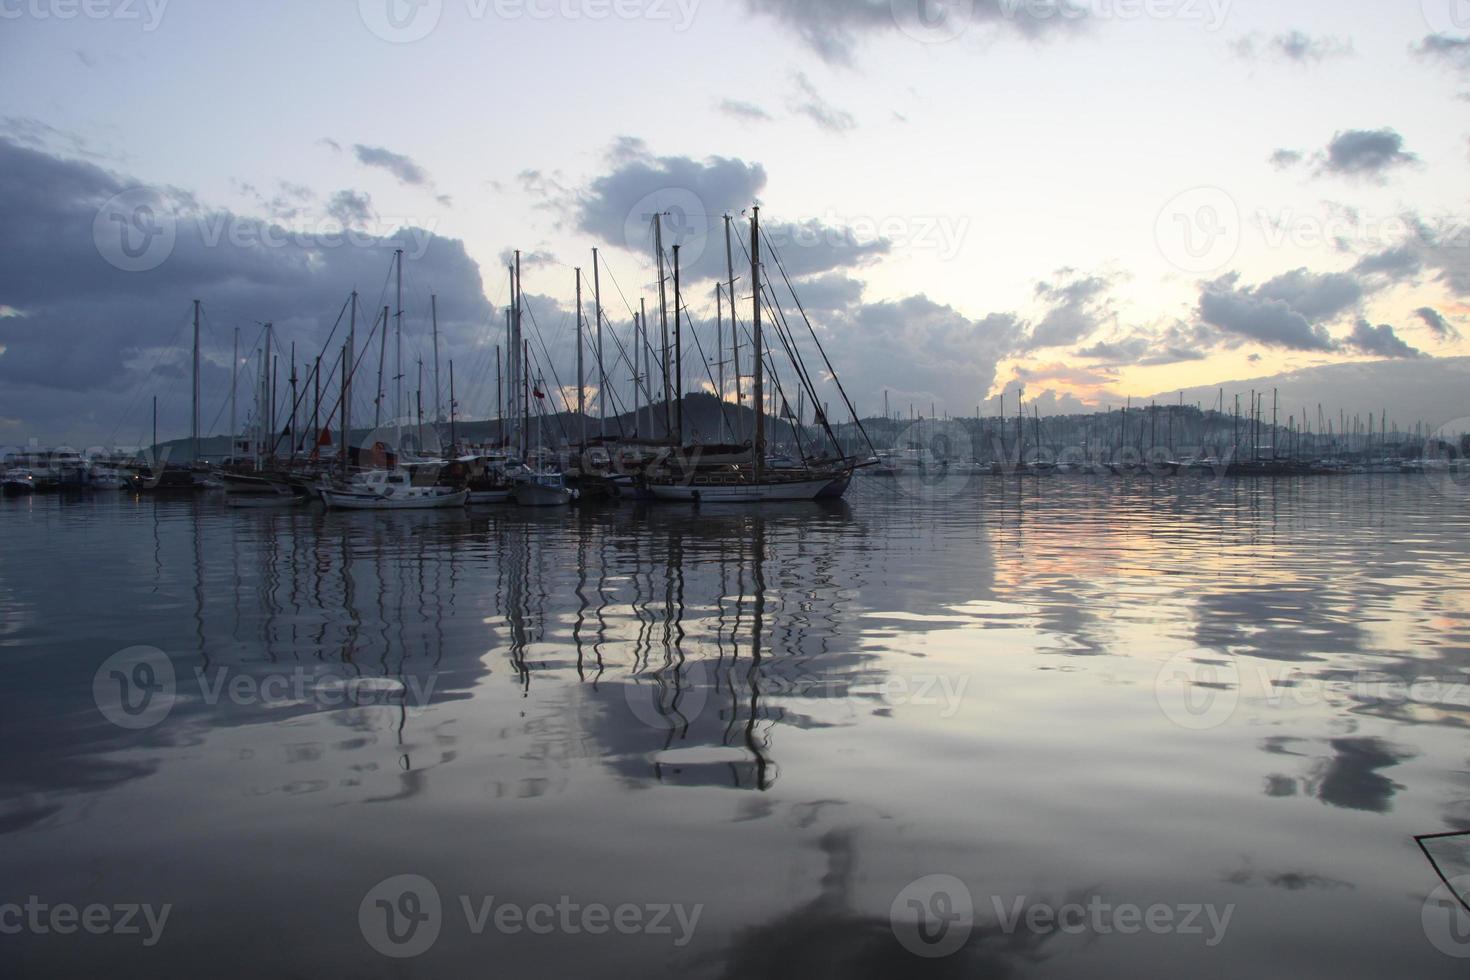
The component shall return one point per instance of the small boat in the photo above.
(544, 488)
(18, 481)
(391, 490)
(107, 478)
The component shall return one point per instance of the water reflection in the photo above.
(786, 713)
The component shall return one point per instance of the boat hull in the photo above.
(371, 501)
(490, 497)
(720, 493)
(535, 495)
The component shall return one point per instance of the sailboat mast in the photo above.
(663, 321)
(525, 401)
(678, 351)
(601, 371)
(758, 380)
(647, 364)
(720, 346)
(234, 383)
(734, 329)
(194, 410)
(347, 366)
(434, 318)
(581, 383)
(453, 437)
(398, 343)
(382, 359)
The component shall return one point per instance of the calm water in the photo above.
(746, 736)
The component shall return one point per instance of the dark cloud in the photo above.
(833, 291)
(808, 102)
(1316, 296)
(1436, 322)
(1284, 159)
(1397, 264)
(747, 111)
(833, 28)
(1266, 314)
(351, 208)
(1174, 344)
(693, 196)
(400, 166)
(1365, 153)
(1076, 307)
(1295, 46)
(93, 342)
(1380, 341)
(1446, 49)
(918, 349)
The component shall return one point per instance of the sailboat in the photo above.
(758, 477)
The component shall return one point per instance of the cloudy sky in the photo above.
(1095, 200)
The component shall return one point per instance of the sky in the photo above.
(1084, 202)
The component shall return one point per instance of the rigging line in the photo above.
(651, 349)
(788, 341)
(708, 373)
(820, 349)
(782, 324)
(541, 339)
(138, 391)
(689, 318)
(540, 412)
(783, 331)
(301, 395)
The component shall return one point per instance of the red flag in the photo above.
(325, 439)
(539, 393)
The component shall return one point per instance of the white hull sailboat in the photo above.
(354, 500)
(391, 490)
